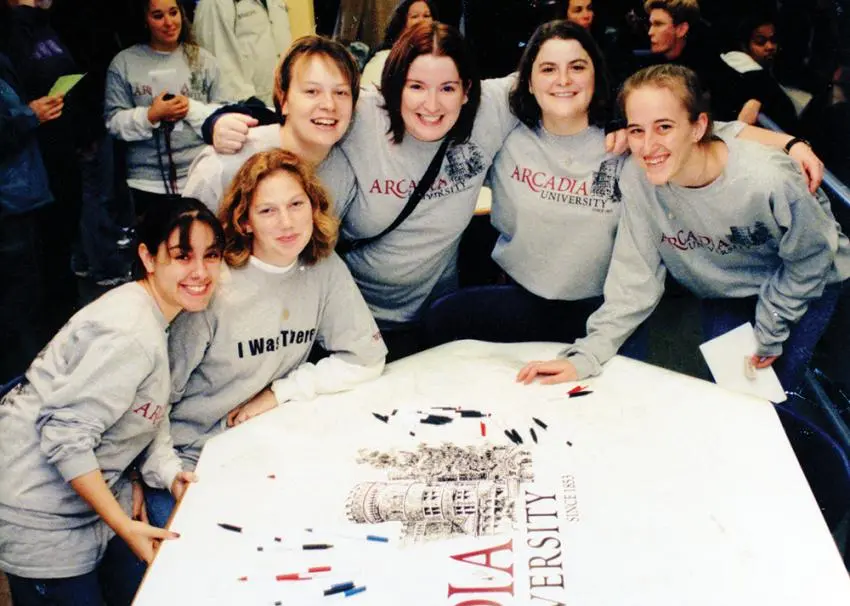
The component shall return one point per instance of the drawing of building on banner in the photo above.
(445, 491)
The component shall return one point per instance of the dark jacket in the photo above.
(23, 180)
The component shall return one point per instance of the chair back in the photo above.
(824, 462)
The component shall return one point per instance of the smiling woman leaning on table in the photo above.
(732, 221)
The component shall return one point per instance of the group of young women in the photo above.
(734, 221)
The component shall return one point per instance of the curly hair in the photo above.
(233, 213)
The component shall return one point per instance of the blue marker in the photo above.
(355, 591)
(376, 538)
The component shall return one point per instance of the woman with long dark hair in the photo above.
(158, 93)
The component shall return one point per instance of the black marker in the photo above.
(473, 413)
(580, 394)
(517, 436)
(230, 527)
(316, 546)
(338, 588)
(436, 420)
(511, 437)
(383, 418)
(539, 422)
(533, 434)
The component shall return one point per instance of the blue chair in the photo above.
(4, 389)
(827, 469)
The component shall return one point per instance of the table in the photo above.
(655, 489)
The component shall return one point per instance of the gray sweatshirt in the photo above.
(129, 94)
(212, 172)
(755, 230)
(556, 205)
(400, 272)
(259, 330)
(95, 398)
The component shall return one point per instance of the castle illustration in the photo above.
(442, 492)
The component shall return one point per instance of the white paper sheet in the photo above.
(726, 358)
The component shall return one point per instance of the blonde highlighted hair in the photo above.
(679, 80)
(233, 212)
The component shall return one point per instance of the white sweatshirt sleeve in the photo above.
(330, 375)
(347, 330)
(123, 119)
(204, 182)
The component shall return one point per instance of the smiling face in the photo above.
(318, 103)
(280, 219)
(666, 38)
(418, 12)
(164, 22)
(762, 46)
(183, 279)
(661, 136)
(580, 12)
(562, 82)
(432, 98)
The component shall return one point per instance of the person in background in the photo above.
(407, 14)
(40, 58)
(754, 244)
(753, 65)
(316, 88)
(158, 93)
(580, 12)
(287, 290)
(677, 36)
(23, 192)
(247, 38)
(93, 401)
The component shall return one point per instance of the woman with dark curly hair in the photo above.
(287, 289)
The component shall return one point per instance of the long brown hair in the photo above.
(233, 213)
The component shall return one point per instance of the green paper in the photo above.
(64, 84)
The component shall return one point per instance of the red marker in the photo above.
(576, 389)
(483, 429)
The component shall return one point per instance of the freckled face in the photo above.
(280, 219)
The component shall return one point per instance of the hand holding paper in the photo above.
(734, 366)
(47, 108)
(64, 84)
